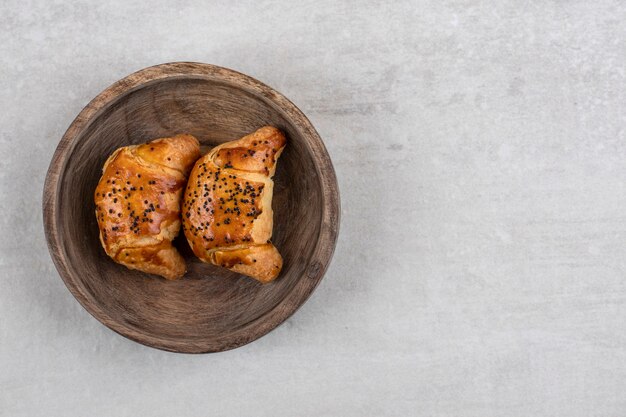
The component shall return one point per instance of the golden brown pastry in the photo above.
(227, 206)
(138, 203)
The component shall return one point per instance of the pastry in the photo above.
(227, 206)
(138, 203)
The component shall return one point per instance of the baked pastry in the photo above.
(227, 206)
(138, 203)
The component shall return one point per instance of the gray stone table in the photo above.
(480, 149)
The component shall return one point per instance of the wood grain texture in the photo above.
(211, 309)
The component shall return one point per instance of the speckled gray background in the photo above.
(481, 155)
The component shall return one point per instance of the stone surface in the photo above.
(481, 265)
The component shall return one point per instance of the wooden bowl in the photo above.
(211, 309)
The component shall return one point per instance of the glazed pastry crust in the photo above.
(227, 206)
(138, 203)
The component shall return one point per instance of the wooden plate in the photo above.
(211, 309)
